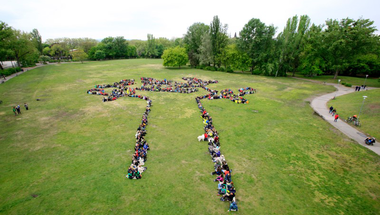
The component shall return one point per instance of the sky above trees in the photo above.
(168, 18)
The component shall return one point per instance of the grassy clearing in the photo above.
(68, 154)
(355, 81)
(349, 105)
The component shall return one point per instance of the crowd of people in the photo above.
(222, 171)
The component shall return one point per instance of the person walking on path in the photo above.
(14, 110)
(331, 109)
(26, 106)
(336, 117)
(333, 112)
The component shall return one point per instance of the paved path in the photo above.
(19, 73)
(319, 104)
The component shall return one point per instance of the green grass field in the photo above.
(69, 153)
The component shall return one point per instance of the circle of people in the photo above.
(222, 171)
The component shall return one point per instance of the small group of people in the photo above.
(358, 88)
(17, 109)
(334, 113)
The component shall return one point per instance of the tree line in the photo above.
(346, 47)
(338, 47)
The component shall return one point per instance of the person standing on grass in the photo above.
(14, 110)
(18, 108)
(336, 117)
(26, 106)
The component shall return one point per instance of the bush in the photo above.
(229, 70)
(221, 69)
(210, 68)
(10, 71)
(347, 84)
(257, 72)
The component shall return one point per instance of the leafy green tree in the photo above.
(312, 61)
(58, 52)
(205, 51)
(131, 52)
(193, 40)
(46, 51)
(151, 50)
(79, 55)
(100, 55)
(109, 47)
(44, 59)
(291, 43)
(219, 39)
(22, 46)
(256, 39)
(37, 40)
(176, 56)
(6, 34)
(347, 39)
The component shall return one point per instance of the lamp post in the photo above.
(366, 76)
(364, 97)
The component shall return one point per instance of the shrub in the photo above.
(221, 69)
(210, 68)
(257, 72)
(230, 70)
(10, 71)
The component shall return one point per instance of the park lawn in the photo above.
(350, 104)
(355, 81)
(69, 153)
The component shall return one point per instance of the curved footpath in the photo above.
(319, 104)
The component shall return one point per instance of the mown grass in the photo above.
(355, 81)
(350, 104)
(69, 153)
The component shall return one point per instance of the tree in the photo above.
(99, 55)
(6, 34)
(46, 51)
(44, 59)
(312, 61)
(176, 56)
(37, 40)
(193, 40)
(219, 39)
(79, 55)
(151, 50)
(22, 46)
(291, 42)
(347, 39)
(57, 51)
(256, 39)
(205, 50)
(131, 52)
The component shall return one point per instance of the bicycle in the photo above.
(357, 123)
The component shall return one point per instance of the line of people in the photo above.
(222, 171)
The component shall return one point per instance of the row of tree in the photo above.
(348, 47)
(28, 48)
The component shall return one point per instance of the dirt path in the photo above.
(319, 104)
